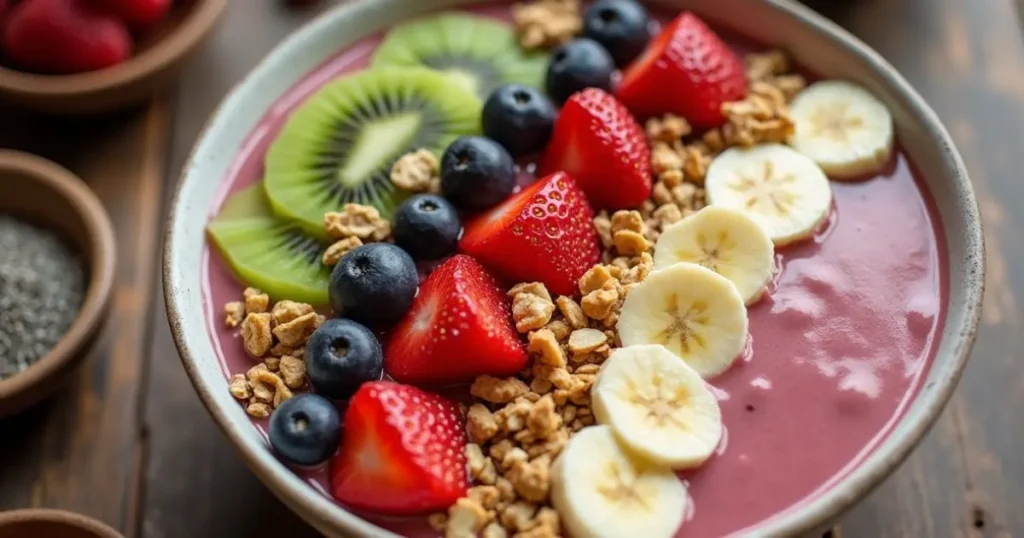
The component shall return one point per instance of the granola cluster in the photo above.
(546, 23)
(277, 337)
(418, 171)
(351, 228)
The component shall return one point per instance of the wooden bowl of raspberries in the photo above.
(93, 56)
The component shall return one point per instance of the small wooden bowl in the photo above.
(158, 58)
(43, 523)
(47, 194)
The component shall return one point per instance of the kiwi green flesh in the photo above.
(268, 253)
(479, 52)
(340, 145)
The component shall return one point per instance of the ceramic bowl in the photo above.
(815, 42)
(47, 194)
(40, 523)
(158, 58)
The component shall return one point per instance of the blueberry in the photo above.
(340, 356)
(519, 118)
(620, 26)
(580, 63)
(374, 283)
(427, 227)
(477, 173)
(306, 429)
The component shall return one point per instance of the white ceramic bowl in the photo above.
(815, 42)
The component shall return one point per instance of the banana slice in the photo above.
(724, 240)
(601, 491)
(782, 190)
(843, 128)
(657, 406)
(693, 311)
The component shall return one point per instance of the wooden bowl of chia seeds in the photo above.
(57, 257)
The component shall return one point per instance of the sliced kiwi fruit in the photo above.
(338, 147)
(481, 53)
(267, 252)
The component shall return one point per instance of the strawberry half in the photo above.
(459, 327)
(545, 233)
(403, 451)
(687, 70)
(597, 141)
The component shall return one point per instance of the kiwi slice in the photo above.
(338, 147)
(267, 252)
(481, 53)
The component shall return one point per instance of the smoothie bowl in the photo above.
(454, 268)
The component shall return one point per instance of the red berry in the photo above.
(687, 71)
(545, 233)
(458, 327)
(141, 15)
(597, 141)
(403, 451)
(63, 37)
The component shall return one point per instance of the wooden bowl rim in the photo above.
(190, 31)
(68, 519)
(101, 265)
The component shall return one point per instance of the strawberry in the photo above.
(141, 15)
(458, 327)
(63, 37)
(403, 451)
(542, 234)
(599, 144)
(687, 71)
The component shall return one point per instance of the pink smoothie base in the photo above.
(838, 347)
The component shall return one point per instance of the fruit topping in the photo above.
(267, 252)
(781, 189)
(579, 64)
(63, 37)
(602, 147)
(687, 70)
(476, 52)
(459, 327)
(340, 145)
(477, 173)
(542, 234)
(844, 129)
(138, 14)
(306, 429)
(546, 23)
(725, 240)
(340, 356)
(658, 406)
(520, 118)
(693, 311)
(427, 227)
(374, 284)
(602, 490)
(620, 26)
(403, 451)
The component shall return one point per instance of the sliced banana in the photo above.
(658, 406)
(693, 311)
(843, 128)
(602, 491)
(725, 240)
(781, 189)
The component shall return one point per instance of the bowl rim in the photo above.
(100, 263)
(816, 514)
(190, 31)
(68, 519)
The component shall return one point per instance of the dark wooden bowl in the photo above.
(41, 523)
(157, 60)
(45, 193)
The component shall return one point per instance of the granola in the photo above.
(417, 171)
(361, 221)
(546, 23)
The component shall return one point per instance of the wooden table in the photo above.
(130, 443)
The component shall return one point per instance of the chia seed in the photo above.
(42, 286)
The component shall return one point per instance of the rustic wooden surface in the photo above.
(130, 443)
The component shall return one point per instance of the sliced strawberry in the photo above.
(545, 233)
(403, 451)
(459, 327)
(141, 15)
(687, 70)
(602, 147)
